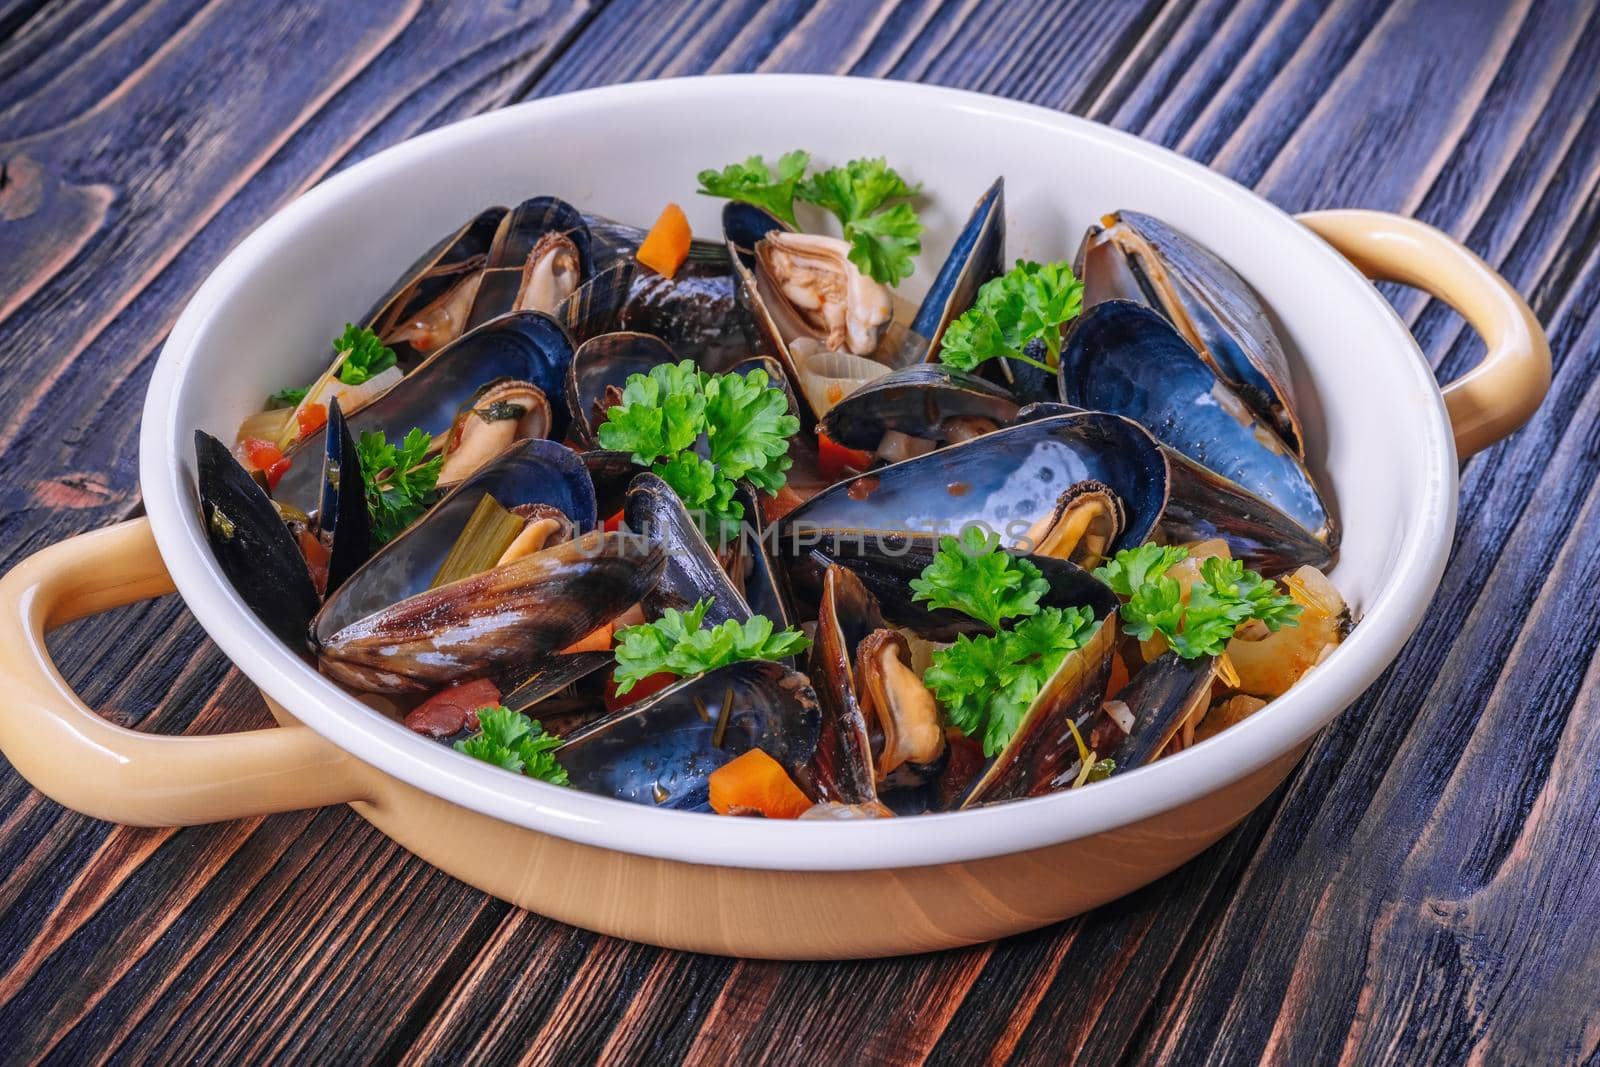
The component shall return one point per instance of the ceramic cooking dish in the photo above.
(1382, 437)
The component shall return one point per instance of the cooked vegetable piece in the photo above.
(666, 246)
(489, 531)
(755, 782)
(453, 709)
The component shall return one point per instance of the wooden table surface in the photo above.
(1423, 888)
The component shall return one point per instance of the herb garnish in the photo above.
(512, 741)
(677, 644)
(883, 236)
(364, 355)
(987, 683)
(286, 398)
(1225, 597)
(744, 423)
(1030, 302)
(400, 480)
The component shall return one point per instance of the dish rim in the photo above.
(602, 822)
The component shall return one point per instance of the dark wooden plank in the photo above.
(278, 935)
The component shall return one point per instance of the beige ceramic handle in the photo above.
(1503, 391)
(78, 758)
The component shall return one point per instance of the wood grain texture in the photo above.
(1423, 888)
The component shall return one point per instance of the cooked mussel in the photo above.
(1024, 482)
(342, 516)
(916, 409)
(661, 750)
(526, 348)
(1150, 710)
(430, 303)
(1126, 358)
(1132, 256)
(599, 372)
(252, 545)
(390, 628)
(692, 571)
(539, 257)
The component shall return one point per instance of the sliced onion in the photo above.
(353, 398)
(828, 377)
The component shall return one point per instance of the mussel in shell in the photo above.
(661, 751)
(1125, 358)
(539, 257)
(691, 572)
(429, 305)
(599, 372)
(917, 409)
(1132, 256)
(527, 348)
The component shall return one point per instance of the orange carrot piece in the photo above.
(1119, 676)
(598, 640)
(757, 782)
(666, 246)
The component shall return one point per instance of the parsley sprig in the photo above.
(1030, 302)
(974, 576)
(363, 356)
(743, 420)
(513, 742)
(400, 480)
(867, 196)
(1225, 597)
(986, 683)
(678, 643)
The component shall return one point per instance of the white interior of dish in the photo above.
(1376, 430)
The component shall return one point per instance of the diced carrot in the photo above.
(757, 782)
(1119, 676)
(836, 461)
(311, 418)
(644, 687)
(598, 640)
(666, 246)
(614, 523)
(777, 506)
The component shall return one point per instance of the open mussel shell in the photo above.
(1162, 695)
(1137, 257)
(540, 692)
(526, 347)
(252, 545)
(539, 257)
(385, 630)
(342, 515)
(1014, 482)
(750, 565)
(599, 371)
(977, 257)
(1128, 359)
(743, 225)
(661, 751)
(927, 401)
(429, 305)
(841, 769)
(692, 570)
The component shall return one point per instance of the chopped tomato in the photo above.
(311, 418)
(317, 555)
(666, 246)
(276, 472)
(614, 523)
(260, 454)
(777, 506)
(452, 710)
(756, 782)
(644, 687)
(836, 461)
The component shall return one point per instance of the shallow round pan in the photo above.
(1381, 435)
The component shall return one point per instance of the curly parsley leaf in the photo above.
(286, 398)
(856, 189)
(882, 245)
(678, 643)
(363, 355)
(974, 575)
(754, 182)
(400, 480)
(513, 742)
(1031, 301)
(745, 422)
(986, 684)
(1225, 597)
